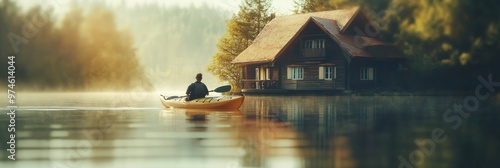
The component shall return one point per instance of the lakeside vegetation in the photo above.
(241, 30)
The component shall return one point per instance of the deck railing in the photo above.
(313, 52)
(260, 84)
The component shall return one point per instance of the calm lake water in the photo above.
(134, 130)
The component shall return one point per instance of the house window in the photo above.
(366, 73)
(257, 73)
(268, 73)
(308, 44)
(314, 48)
(327, 72)
(317, 43)
(295, 73)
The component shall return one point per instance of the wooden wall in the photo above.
(338, 57)
(311, 80)
(334, 55)
(386, 73)
(348, 76)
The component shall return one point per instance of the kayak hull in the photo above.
(221, 102)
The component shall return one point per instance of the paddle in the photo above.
(221, 89)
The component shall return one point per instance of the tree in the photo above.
(87, 52)
(306, 6)
(448, 33)
(241, 30)
(252, 17)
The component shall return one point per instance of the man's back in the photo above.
(197, 90)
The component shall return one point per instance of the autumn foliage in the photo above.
(241, 30)
(84, 50)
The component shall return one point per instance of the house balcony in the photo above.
(260, 84)
(313, 52)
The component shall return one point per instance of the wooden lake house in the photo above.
(322, 51)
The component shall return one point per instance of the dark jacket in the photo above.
(196, 90)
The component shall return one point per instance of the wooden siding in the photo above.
(275, 73)
(354, 74)
(386, 73)
(308, 85)
(311, 80)
(334, 56)
(338, 57)
(249, 71)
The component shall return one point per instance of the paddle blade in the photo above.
(224, 88)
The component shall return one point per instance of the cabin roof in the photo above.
(280, 32)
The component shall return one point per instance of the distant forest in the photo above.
(94, 47)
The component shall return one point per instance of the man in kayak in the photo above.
(197, 89)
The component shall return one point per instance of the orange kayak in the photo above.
(220, 102)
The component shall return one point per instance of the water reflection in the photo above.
(294, 131)
(312, 121)
(255, 138)
(336, 131)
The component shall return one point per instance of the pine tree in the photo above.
(240, 32)
(306, 6)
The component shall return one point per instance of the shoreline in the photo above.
(362, 93)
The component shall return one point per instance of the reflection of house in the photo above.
(330, 50)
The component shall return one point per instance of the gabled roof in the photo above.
(280, 32)
(352, 44)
